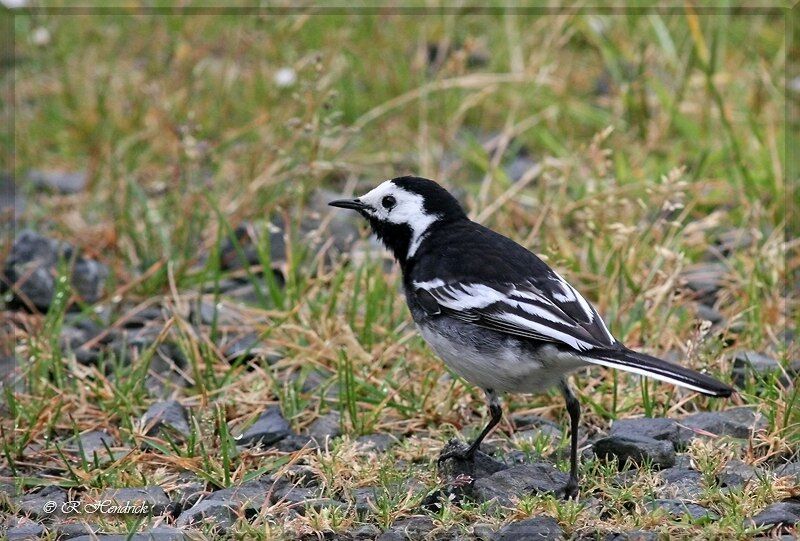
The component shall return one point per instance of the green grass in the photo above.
(185, 135)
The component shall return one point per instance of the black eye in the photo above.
(388, 202)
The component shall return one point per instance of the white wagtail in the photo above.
(493, 311)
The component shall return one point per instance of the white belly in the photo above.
(503, 366)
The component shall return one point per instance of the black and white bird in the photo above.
(494, 312)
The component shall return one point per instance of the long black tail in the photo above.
(647, 365)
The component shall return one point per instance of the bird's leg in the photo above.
(496, 414)
(574, 411)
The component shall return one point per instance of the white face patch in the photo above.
(408, 208)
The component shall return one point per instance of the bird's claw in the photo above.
(459, 453)
(571, 489)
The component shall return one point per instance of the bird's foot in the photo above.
(458, 454)
(571, 489)
(457, 450)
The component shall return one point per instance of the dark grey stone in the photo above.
(656, 428)
(737, 422)
(248, 236)
(541, 527)
(364, 498)
(12, 203)
(636, 449)
(162, 533)
(295, 442)
(751, 363)
(682, 483)
(328, 426)
(731, 241)
(365, 532)
(777, 516)
(246, 347)
(25, 531)
(736, 473)
(517, 482)
(207, 313)
(250, 495)
(678, 508)
(208, 511)
(154, 497)
(519, 167)
(33, 504)
(169, 415)
(413, 528)
(633, 535)
(300, 498)
(391, 535)
(790, 469)
(32, 266)
(343, 228)
(380, 443)
(143, 317)
(88, 279)
(301, 476)
(705, 280)
(268, 429)
(10, 376)
(92, 442)
(71, 530)
(481, 466)
(187, 490)
(707, 313)
(64, 182)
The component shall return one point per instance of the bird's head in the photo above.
(401, 212)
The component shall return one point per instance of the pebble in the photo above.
(454, 469)
(250, 495)
(295, 442)
(33, 504)
(269, 428)
(91, 443)
(365, 532)
(326, 427)
(364, 498)
(246, 347)
(749, 364)
(789, 469)
(378, 443)
(509, 485)
(678, 508)
(636, 449)
(541, 527)
(633, 535)
(737, 422)
(777, 516)
(705, 280)
(12, 203)
(343, 228)
(161, 533)
(63, 182)
(416, 527)
(300, 499)
(32, 266)
(655, 428)
(154, 496)
(214, 512)
(169, 415)
(248, 236)
(519, 167)
(25, 531)
(736, 473)
(681, 483)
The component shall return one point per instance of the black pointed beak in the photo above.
(354, 204)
